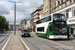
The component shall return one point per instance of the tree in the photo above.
(6, 26)
(3, 23)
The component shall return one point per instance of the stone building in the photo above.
(35, 15)
(66, 7)
(48, 7)
(22, 24)
(10, 27)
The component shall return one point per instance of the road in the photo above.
(39, 43)
(4, 36)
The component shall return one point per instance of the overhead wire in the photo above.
(3, 9)
(29, 5)
(28, 8)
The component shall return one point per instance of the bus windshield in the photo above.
(58, 29)
(59, 17)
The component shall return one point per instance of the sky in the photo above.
(23, 9)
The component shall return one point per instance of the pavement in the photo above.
(14, 43)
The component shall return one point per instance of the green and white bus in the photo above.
(52, 26)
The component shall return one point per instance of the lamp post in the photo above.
(14, 16)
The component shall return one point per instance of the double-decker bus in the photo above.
(53, 26)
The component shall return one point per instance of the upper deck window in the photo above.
(44, 20)
(59, 17)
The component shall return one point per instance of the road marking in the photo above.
(6, 42)
(23, 42)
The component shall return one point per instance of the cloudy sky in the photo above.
(23, 9)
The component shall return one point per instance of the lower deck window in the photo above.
(50, 28)
(41, 29)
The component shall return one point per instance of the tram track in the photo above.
(32, 44)
(50, 44)
(45, 43)
(39, 43)
(60, 44)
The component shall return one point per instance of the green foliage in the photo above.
(3, 23)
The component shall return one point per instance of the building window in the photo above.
(55, 9)
(36, 14)
(74, 12)
(64, 0)
(70, 1)
(50, 1)
(36, 18)
(67, 15)
(50, 5)
(58, 2)
(67, 10)
(61, 6)
(65, 4)
(74, 0)
(50, 11)
(61, 1)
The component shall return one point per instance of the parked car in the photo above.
(25, 33)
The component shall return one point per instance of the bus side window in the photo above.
(46, 19)
(49, 18)
(50, 28)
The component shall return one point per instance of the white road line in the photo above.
(23, 42)
(6, 42)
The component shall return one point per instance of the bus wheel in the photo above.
(47, 36)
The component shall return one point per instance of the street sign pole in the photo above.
(14, 16)
(15, 20)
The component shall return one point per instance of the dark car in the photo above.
(25, 33)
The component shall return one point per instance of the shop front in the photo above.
(71, 24)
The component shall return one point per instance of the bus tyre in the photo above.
(47, 36)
